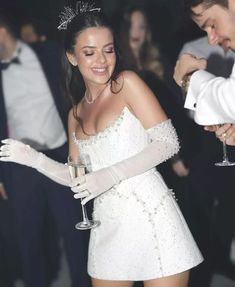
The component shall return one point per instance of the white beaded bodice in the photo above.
(124, 138)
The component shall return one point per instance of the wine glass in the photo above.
(225, 161)
(78, 168)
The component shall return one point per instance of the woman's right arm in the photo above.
(18, 152)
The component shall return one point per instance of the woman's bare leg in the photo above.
(109, 283)
(177, 280)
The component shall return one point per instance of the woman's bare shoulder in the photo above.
(125, 79)
(129, 75)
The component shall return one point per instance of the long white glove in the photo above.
(163, 145)
(18, 152)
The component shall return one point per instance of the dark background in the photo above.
(169, 25)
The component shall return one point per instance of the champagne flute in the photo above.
(77, 169)
(225, 161)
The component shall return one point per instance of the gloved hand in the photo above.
(163, 144)
(93, 184)
(18, 152)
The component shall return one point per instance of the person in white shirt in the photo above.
(32, 111)
(211, 226)
(211, 97)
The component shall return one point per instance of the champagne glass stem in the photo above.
(225, 161)
(225, 154)
(84, 213)
(77, 169)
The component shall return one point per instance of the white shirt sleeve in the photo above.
(212, 98)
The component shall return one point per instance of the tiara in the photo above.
(69, 13)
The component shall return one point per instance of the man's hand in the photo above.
(3, 193)
(187, 64)
(220, 131)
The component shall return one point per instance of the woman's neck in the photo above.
(92, 93)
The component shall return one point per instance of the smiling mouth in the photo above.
(100, 70)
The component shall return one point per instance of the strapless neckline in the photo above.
(107, 130)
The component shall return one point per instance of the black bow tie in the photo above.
(5, 65)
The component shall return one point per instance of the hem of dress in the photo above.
(166, 274)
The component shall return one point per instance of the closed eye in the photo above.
(89, 53)
(110, 51)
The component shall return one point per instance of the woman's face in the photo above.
(94, 55)
(138, 30)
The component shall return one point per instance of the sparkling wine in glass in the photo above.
(77, 169)
(225, 161)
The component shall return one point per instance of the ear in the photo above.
(71, 59)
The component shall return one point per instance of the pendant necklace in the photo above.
(92, 101)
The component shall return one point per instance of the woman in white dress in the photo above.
(118, 122)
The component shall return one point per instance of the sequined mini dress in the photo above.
(142, 234)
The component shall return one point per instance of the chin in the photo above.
(102, 81)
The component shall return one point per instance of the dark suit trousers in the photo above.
(32, 195)
(10, 267)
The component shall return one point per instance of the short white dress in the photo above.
(142, 234)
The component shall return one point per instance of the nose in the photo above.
(101, 58)
(213, 38)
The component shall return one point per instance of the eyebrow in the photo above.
(93, 47)
(196, 14)
(203, 26)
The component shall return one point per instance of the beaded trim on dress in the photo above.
(104, 132)
(115, 124)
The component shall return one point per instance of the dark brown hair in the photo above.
(189, 4)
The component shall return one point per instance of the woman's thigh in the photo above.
(177, 280)
(110, 283)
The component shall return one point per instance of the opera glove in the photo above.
(18, 152)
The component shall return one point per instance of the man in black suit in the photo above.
(32, 110)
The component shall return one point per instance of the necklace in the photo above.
(92, 100)
(87, 99)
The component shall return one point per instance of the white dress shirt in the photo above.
(32, 115)
(212, 98)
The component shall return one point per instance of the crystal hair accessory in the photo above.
(69, 13)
